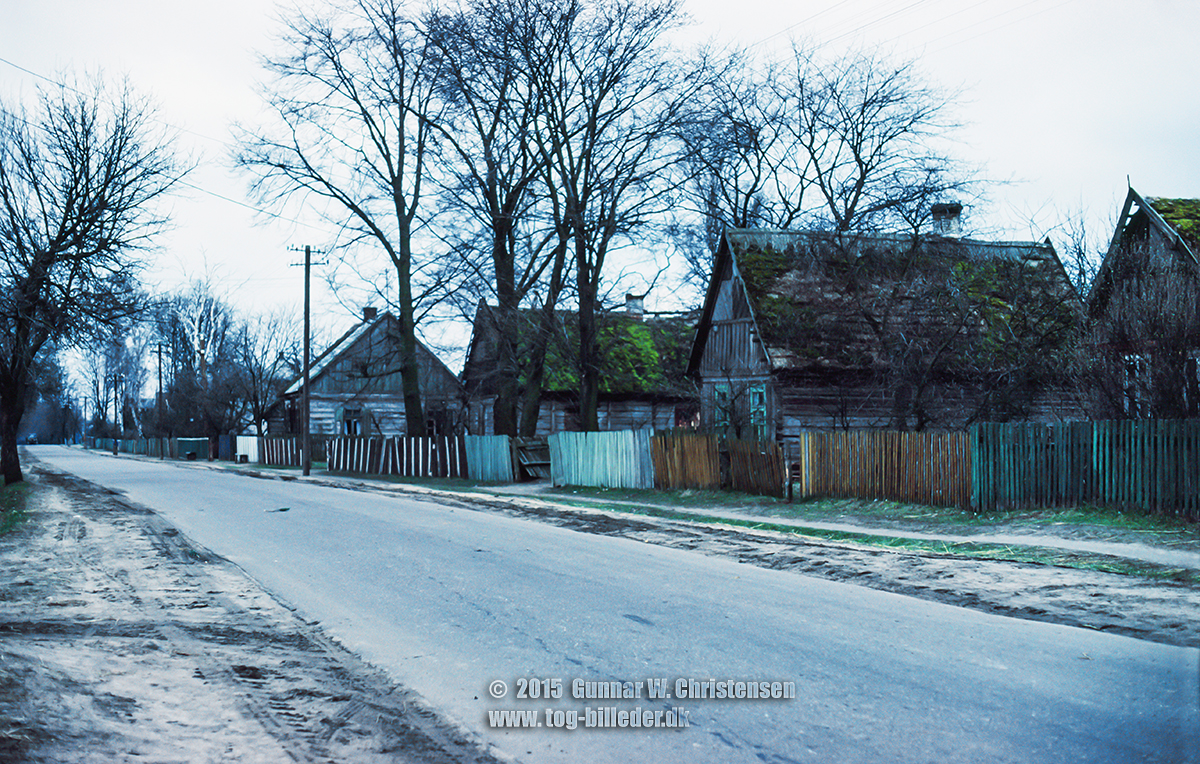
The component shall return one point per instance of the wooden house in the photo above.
(815, 330)
(1144, 308)
(356, 387)
(643, 358)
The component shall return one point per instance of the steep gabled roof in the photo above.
(1177, 221)
(346, 343)
(812, 294)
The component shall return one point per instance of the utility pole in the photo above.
(162, 451)
(306, 440)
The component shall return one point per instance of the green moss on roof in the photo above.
(1181, 214)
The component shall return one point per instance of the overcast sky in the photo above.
(1062, 100)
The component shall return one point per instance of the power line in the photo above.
(180, 181)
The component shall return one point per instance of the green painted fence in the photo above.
(1150, 466)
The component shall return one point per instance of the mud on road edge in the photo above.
(123, 640)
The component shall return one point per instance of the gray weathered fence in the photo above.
(618, 459)
(489, 457)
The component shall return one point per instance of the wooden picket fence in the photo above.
(1150, 466)
(438, 456)
(685, 460)
(282, 451)
(920, 467)
(757, 467)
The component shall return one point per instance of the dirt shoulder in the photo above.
(122, 641)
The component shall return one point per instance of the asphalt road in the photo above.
(448, 600)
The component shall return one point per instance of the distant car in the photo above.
(31, 439)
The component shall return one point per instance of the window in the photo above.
(740, 410)
(352, 421)
(722, 407)
(756, 398)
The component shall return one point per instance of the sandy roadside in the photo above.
(121, 641)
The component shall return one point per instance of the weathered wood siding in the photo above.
(556, 415)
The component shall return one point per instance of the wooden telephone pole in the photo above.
(306, 439)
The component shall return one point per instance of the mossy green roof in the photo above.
(1183, 215)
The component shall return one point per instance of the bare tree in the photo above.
(354, 101)
(79, 178)
(613, 98)
(843, 143)
(268, 349)
(489, 128)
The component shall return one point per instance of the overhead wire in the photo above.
(165, 123)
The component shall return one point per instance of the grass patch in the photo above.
(965, 549)
(680, 498)
(14, 505)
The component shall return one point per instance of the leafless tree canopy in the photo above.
(80, 175)
(843, 143)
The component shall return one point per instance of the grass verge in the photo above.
(14, 505)
(1037, 555)
(897, 515)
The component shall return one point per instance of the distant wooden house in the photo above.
(642, 364)
(815, 330)
(356, 387)
(1144, 307)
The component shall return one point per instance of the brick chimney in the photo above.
(370, 314)
(635, 305)
(947, 218)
